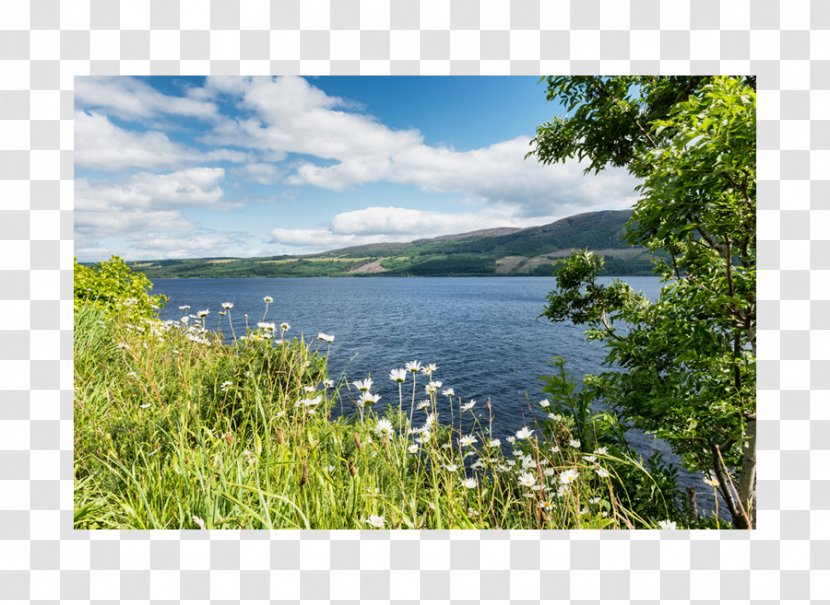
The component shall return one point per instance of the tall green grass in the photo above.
(175, 429)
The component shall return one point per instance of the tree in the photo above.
(682, 366)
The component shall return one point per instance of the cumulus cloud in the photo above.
(183, 188)
(290, 115)
(495, 174)
(102, 145)
(406, 221)
(315, 240)
(387, 224)
(142, 234)
(145, 207)
(132, 99)
(98, 223)
(190, 244)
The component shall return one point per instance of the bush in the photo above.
(112, 285)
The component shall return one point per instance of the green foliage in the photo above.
(687, 360)
(452, 264)
(113, 286)
(650, 487)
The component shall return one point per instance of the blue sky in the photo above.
(189, 167)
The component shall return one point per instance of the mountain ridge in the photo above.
(496, 251)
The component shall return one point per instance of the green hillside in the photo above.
(503, 251)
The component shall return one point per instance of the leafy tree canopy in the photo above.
(687, 359)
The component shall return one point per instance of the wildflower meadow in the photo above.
(188, 423)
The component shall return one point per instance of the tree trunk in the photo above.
(746, 486)
(723, 485)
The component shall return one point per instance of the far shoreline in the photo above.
(383, 276)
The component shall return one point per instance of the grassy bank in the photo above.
(175, 429)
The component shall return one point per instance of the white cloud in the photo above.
(143, 208)
(390, 221)
(101, 145)
(191, 244)
(290, 115)
(387, 224)
(183, 188)
(153, 234)
(315, 240)
(98, 223)
(495, 174)
(132, 99)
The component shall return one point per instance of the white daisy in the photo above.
(524, 433)
(429, 369)
(363, 385)
(433, 387)
(413, 366)
(368, 398)
(527, 480)
(384, 427)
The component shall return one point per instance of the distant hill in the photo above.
(500, 251)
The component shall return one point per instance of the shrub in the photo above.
(112, 285)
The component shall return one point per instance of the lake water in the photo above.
(484, 333)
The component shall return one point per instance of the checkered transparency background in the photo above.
(45, 43)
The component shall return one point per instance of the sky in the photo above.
(194, 167)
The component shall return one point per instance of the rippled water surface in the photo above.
(484, 333)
